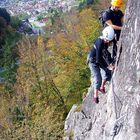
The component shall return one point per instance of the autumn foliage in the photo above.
(51, 77)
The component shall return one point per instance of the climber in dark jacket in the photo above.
(114, 18)
(100, 62)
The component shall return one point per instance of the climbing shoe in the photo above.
(102, 90)
(96, 100)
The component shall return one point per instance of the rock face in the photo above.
(117, 116)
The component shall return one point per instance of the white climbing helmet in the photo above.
(108, 33)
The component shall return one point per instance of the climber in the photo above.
(114, 18)
(100, 62)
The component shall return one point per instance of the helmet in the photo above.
(117, 3)
(108, 33)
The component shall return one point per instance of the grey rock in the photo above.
(117, 116)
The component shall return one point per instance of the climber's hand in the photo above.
(111, 67)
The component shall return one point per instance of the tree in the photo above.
(15, 21)
(69, 50)
(36, 85)
(52, 75)
(5, 15)
(2, 29)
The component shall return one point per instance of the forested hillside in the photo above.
(50, 77)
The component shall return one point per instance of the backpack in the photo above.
(101, 17)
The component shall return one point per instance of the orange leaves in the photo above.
(39, 40)
(88, 25)
(61, 59)
(69, 48)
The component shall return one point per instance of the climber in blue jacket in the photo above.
(100, 62)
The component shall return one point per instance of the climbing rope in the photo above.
(117, 126)
(119, 121)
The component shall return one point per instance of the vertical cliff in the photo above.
(117, 116)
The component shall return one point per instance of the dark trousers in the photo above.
(114, 50)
